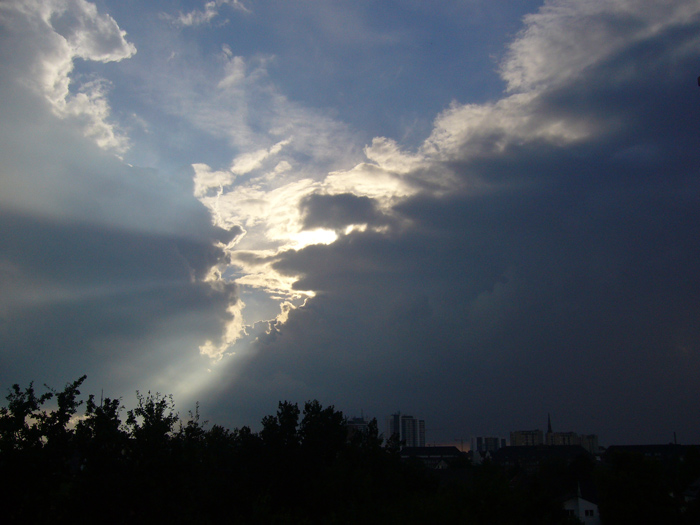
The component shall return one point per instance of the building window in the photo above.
(589, 512)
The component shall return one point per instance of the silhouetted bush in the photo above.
(302, 467)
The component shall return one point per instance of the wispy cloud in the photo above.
(564, 39)
(211, 10)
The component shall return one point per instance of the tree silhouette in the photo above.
(53, 425)
(19, 428)
(301, 467)
(152, 422)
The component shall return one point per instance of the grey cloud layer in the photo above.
(565, 284)
(104, 301)
(338, 211)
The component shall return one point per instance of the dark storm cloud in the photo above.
(107, 332)
(90, 299)
(567, 301)
(569, 285)
(338, 211)
(81, 253)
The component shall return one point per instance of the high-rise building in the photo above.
(563, 438)
(356, 425)
(589, 442)
(411, 431)
(526, 438)
(487, 443)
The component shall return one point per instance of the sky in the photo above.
(476, 212)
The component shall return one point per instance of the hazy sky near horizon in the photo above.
(476, 212)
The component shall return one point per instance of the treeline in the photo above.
(148, 465)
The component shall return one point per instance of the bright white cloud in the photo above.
(565, 37)
(90, 107)
(559, 45)
(206, 179)
(233, 330)
(63, 30)
(247, 162)
(387, 155)
(269, 210)
(370, 180)
(470, 130)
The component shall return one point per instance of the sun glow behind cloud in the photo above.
(309, 238)
(267, 204)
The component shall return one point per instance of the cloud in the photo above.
(560, 51)
(534, 251)
(230, 99)
(211, 10)
(52, 35)
(337, 212)
(102, 300)
(105, 267)
(247, 162)
(565, 38)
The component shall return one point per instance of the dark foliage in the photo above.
(302, 467)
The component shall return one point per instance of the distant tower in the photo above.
(550, 435)
(410, 430)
